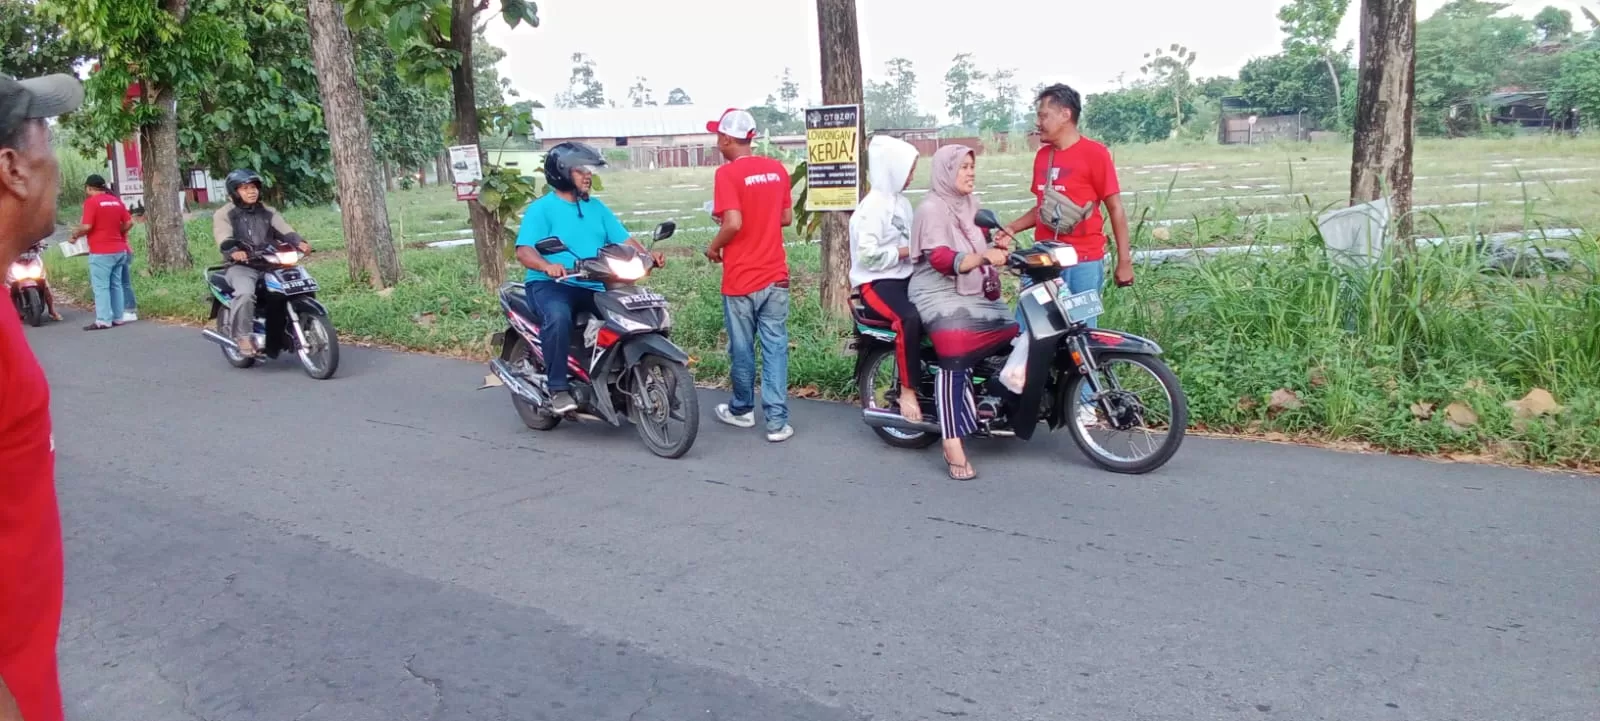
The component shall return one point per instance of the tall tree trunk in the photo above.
(367, 237)
(442, 168)
(841, 85)
(1385, 110)
(1338, 92)
(169, 244)
(485, 230)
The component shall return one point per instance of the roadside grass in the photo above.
(1431, 356)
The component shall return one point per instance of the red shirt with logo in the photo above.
(1085, 174)
(757, 187)
(105, 214)
(30, 528)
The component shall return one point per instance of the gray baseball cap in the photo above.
(36, 99)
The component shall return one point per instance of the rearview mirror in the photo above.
(986, 220)
(550, 246)
(664, 231)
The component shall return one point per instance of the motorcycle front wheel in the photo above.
(32, 307)
(668, 392)
(320, 358)
(1146, 402)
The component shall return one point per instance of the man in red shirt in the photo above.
(751, 203)
(30, 524)
(106, 222)
(1080, 169)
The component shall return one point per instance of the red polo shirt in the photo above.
(104, 213)
(757, 187)
(30, 528)
(1085, 174)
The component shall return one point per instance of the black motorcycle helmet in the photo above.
(238, 179)
(561, 160)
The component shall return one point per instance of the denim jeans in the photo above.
(128, 302)
(556, 304)
(105, 277)
(763, 314)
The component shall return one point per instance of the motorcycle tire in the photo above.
(32, 307)
(328, 364)
(1179, 422)
(678, 375)
(531, 415)
(864, 389)
(234, 358)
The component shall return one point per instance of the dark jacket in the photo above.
(256, 229)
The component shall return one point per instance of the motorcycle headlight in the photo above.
(630, 269)
(287, 257)
(1065, 257)
(27, 271)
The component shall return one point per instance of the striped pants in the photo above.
(958, 412)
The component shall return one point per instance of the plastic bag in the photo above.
(1014, 375)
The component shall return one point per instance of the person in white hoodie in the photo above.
(881, 258)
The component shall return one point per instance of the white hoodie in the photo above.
(881, 225)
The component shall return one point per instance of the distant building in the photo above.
(1526, 111)
(660, 136)
(1244, 124)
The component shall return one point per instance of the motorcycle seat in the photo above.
(865, 315)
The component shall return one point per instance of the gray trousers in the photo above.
(242, 309)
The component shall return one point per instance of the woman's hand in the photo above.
(996, 256)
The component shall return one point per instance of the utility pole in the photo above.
(841, 85)
(1385, 110)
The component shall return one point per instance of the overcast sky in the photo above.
(727, 53)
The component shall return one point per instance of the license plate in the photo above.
(1081, 307)
(642, 301)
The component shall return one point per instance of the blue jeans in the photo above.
(128, 301)
(556, 304)
(105, 277)
(764, 313)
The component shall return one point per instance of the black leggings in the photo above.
(888, 298)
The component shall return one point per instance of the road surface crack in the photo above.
(1013, 534)
(650, 698)
(433, 684)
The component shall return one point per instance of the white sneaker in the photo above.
(130, 317)
(782, 434)
(725, 415)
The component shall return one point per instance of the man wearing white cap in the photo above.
(30, 523)
(751, 202)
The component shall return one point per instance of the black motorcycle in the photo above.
(1067, 361)
(288, 316)
(622, 366)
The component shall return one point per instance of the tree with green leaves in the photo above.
(407, 119)
(1578, 86)
(1312, 28)
(492, 89)
(679, 97)
(151, 53)
(893, 103)
(640, 94)
(999, 106)
(1288, 83)
(1127, 115)
(32, 44)
(583, 89)
(369, 242)
(1464, 52)
(1553, 24)
(963, 91)
(1167, 71)
(434, 39)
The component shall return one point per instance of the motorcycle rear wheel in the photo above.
(1176, 424)
(531, 415)
(866, 390)
(234, 358)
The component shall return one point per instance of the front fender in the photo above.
(635, 348)
(309, 305)
(1116, 341)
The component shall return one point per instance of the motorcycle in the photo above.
(621, 364)
(288, 316)
(1068, 379)
(25, 280)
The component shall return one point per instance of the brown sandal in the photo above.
(968, 472)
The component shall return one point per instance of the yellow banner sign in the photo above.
(833, 158)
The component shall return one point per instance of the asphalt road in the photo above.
(393, 544)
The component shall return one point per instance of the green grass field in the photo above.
(1424, 358)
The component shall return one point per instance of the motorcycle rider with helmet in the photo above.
(245, 227)
(584, 225)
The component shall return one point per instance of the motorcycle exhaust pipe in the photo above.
(220, 339)
(887, 419)
(521, 388)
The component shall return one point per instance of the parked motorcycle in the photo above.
(288, 316)
(26, 282)
(1066, 361)
(621, 366)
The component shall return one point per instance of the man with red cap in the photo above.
(30, 524)
(751, 202)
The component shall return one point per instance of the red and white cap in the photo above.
(735, 123)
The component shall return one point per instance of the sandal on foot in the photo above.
(912, 412)
(962, 471)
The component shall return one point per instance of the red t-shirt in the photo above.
(30, 528)
(105, 214)
(1085, 174)
(757, 187)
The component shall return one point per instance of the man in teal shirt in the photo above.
(584, 225)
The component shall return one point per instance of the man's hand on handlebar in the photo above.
(659, 257)
(239, 256)
(1004, 240)
(555, 270)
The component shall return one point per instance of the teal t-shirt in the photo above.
(584, 227)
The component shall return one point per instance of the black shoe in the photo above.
(562, 402)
